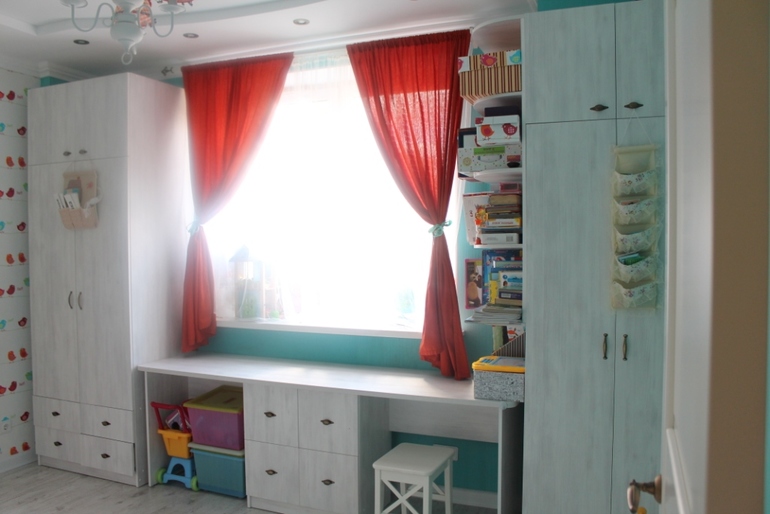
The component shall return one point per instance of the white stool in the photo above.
(417, 466)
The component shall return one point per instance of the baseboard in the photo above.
(471, 498)
(17, 463)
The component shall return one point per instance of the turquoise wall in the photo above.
(550, 5)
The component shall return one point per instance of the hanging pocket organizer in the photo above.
(77, 202)
(635, 227)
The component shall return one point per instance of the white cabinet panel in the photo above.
(329, 481)
(272, 472)
(569, 64)
(58, 444)
(270, 414)
(108, 455)
(107, 422)
(328, 421)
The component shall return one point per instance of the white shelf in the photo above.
(498, 176)
(496, 35)
(501, 246)
(512, 99)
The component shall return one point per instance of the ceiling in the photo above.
(36, 36)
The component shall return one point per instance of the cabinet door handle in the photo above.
(599, 108)
(56, 443)
(327, 422)
(69, 300)
(633, 105)
(80, 300)
(269, 414)
(625, 347)
(55, 413)
(67, 153)
(604, 347)
(105, 455)
(83, 151)
(271, 472)
(106, 423)
(327, 482)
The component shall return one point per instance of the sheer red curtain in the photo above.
(229, 105)
(410, 89)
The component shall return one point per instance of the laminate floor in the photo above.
(34, 489)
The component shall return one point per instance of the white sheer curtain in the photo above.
(320, 210)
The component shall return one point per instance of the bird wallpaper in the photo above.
(17, 434)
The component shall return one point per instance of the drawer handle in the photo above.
(56, 443)
(327, 422)
(105, 455)
(69, 300)
(271, 472)
(604, 347)
(269, 414)
(633, 105)
(327, 482)
(106, 423)
(599, 108)
(54, 414)
(67, 153)
(83, 151)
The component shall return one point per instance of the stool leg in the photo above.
(448, 488)
(378, 499)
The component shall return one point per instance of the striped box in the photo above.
(478, 84)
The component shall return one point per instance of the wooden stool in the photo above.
(416, 466)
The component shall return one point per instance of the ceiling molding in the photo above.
(47, 69)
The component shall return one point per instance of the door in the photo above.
(714, 401)
(569, 64)
(568, 425)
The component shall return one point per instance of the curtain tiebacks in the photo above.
(194, 226)
(438, 229)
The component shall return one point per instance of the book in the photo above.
(505, 199)
(508, 301)
(490, 271)
(507, 294)
(508, 279)
(508, 265)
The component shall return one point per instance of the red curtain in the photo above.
(410, 89)
(229, 105)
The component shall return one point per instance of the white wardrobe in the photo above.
(108, 296)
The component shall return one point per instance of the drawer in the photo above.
(57, 444)
(329, 481)
(108, 455)
(56, 414)
(272, 472)
(108, 423)
(270, 414)
(328, 422)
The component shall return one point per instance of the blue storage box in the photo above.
(220, 470)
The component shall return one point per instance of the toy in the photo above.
(181, 467)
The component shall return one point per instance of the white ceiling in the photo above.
(36, 36)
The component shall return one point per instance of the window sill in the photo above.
(287, 326)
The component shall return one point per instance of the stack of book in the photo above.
(496, 315)
(507, 289)
(494, 217)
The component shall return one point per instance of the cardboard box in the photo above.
(481, 158)
(498, 130)
(489, 60)
(478, 84)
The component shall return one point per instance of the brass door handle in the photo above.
(327, 422)
(271, 472)
(269, 414)
(599, 108)
(633, 105)
(327, 482)
(604, 347)
(625, 347)
(106, 423)
(635, 489)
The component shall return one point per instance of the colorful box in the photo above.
(499, 378)
(216, 418)
(176, 442)
(482, 158)
(498, 130)
(489, 60)
(478, 84)
(219, 470)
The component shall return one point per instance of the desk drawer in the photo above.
(270, 414)
(328, 422)
(108, 423)
(272, 472)
(329, 481)
(56, 414)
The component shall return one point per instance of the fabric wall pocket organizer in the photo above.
(634, 210)
(635, 171)
(635, 267)
(78, 199)
(626, 296)
(635, 238)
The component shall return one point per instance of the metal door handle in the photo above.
(55, 413)
(604, 347)
(105, 455)
(69, 300)
(67, 153)
(327, 482)
(106, 423)
(83, 151)
(327, 422)
(80, 300)
(625, 347)
(56, 443)
(655, 488)
(599, 108)
(633, 105)
(271, 472)
(269, 414)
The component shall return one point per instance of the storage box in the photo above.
(478, 84)
(499, 378)
(482, 158)
(489, 60)
(498, 130)
(219, 470)
(216, 418)
(176, 443)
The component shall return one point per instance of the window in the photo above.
(334, 243)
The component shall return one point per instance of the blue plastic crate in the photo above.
(220, 470)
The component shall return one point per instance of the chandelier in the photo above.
(129, 20)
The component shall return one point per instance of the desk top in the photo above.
(372, 381)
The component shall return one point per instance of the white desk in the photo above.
(419, 402)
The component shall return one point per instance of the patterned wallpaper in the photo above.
(17, 435)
